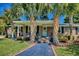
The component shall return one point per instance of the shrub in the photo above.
(19, 38)
(62, 38)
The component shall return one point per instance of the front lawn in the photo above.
(10, 47)
(72, 50)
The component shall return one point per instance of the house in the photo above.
(44, 28)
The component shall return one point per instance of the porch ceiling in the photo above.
(43, 23)
(67, 25)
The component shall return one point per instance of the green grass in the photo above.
(10, 47)
(72, 50)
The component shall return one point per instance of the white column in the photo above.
(24, 31)
(46, 31)
(78, 30)
(12, 32)
(17, 31)
(28, 29)
(40, 31)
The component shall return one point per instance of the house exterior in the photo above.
(44, 28)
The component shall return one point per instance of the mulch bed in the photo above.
(76, 42)
(65, 44)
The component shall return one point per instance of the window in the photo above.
(62, 29)
(78, 29)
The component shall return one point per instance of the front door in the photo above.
(49, 30)
(44, 32)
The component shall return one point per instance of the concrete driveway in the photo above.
(41, 49)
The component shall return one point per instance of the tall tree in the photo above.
(33, 10)
(2, 26)
(17, 11)
(75, 19)
(12, 14)
(71, 10)
(58, 10)
(7, 16)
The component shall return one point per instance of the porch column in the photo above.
(40, 30)
(17, 31)
(12, 29)
(28, 29)
(24, 31)
(46, 31)
(78, 30)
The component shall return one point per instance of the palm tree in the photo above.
(58, 10)
(2, 26)
(17, 11)
(32, 11)
(7, 18)
(71, 10)
(11, 14)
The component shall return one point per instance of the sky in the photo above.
(4, 6)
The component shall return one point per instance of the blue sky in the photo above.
(4, 6)
(8, 5)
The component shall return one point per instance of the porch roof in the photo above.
(40, 22)
(43, 22)
(67, 25)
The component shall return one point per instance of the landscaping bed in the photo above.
(67, 47)
(11, 47)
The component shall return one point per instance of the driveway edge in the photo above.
(53, 50)
(24, 49)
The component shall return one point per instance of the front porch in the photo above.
(43, 28)
(23, 29)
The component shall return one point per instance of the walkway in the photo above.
(41, 49)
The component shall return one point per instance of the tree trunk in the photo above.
(6, 34)
(33, 28)
(55, 30)
(71, 26)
